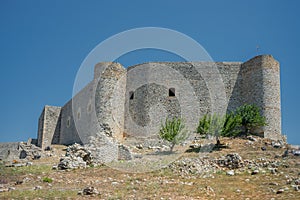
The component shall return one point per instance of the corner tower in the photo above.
(260, 78)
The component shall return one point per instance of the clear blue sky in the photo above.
(43, 43)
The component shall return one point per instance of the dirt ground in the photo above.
(40, 181)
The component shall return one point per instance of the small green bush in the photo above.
(204, 124)
(250, 117)
(47, 180)
(173, 131)
(232, 125)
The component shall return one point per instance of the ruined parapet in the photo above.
(49, 126)
(261, 86)
(110, 82)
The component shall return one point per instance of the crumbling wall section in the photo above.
(49, 126)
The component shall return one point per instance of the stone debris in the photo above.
(77, 156)
(231, 161)
(230, 173)
(251, 138)
(296, 152)
(281, 190)
(38, 187)
(255, 172)
(89, 191)
(263, 148)
(29, 151)
(193, 166)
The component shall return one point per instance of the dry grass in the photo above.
(113, 184)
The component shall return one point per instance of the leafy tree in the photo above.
(232, 125)
(250, 117)
(173, 131)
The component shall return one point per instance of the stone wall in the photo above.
(69, 134)
(261, 86)
(9, 151)
(148, 102)
(49, 126)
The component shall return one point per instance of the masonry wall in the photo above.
(69, 134)
(151, 104)
(49, 126)
(261, 86)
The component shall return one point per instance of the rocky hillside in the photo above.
(249, 168)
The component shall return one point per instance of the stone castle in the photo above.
(133, 102)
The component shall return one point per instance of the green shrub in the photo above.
(204, 124)
(47, 180)
(232, 125)
(173, 131)
(250, 117)
(211, 125)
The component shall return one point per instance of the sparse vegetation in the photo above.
(250, 117)
(232, 124)
(47, 180)
(173, 131)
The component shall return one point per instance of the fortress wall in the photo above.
(49, 126)
(230, 75)
(69, 133)
(40, 129)
(261, 86)
(150, 84)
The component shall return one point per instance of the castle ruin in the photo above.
(127, 102)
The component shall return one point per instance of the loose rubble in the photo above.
(76, 157)
(89, 191)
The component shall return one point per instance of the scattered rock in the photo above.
(48, 148)
(231, 161)
(89, 191)
(263, 148)
(19, 182)
(3, 190)
(296, 152)
(251, 138)
(76, 156)
(281, 190)
(296, 187)
(272, 170)
(276, 144)
(255, 172)
(193, 166)
(230, 173)
(38, 187)
(29, 151)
